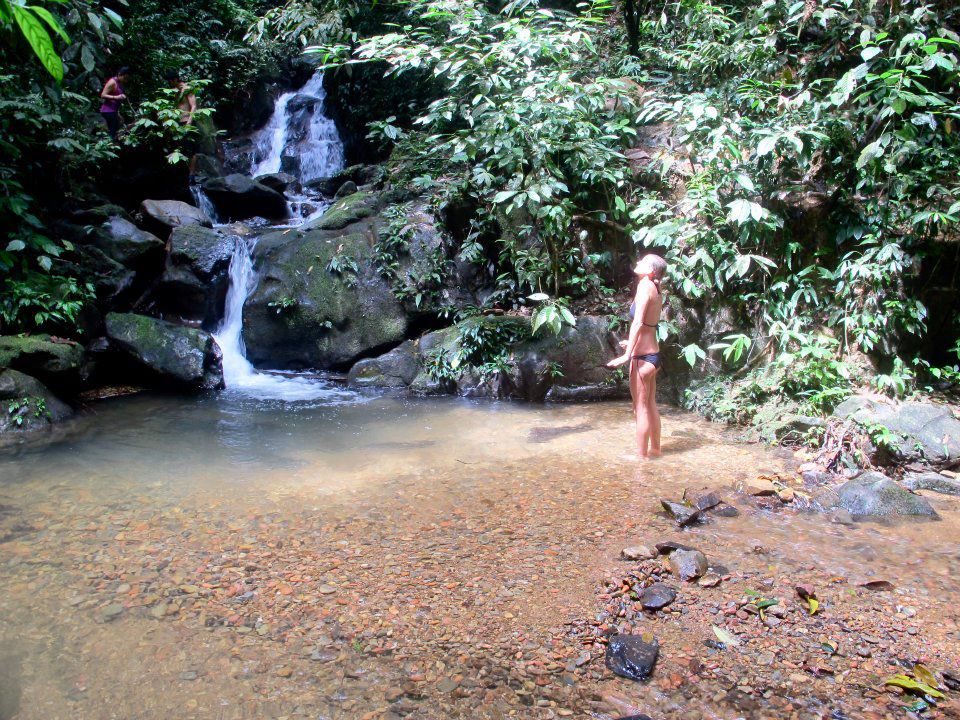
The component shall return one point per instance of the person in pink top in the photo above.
(112, 95)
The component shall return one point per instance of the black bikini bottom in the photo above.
(652, 358)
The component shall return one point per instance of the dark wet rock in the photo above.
(357, 174)
(279, 182)
(934, 482)
(160, 216)
(395, 369)
(683, 514)
(703, 501)
(546, 434)
(26, 404)
(124, 242)
(55, 363)
(184, 356)
(631, 656)
(637, 552)
(923, 430)
(348, 188)
(195, 279)
(207, 166)
(303, 315)
(871, 494)
(665, 548)
(641, 716)
(724, 510)
(688, 564)
(238, 197)
(657, 596)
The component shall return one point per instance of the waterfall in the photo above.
(202, 201)
(238, 373)
(301, 140)
(301, 134)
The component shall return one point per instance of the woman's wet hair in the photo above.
(657, 264)
(123, 71)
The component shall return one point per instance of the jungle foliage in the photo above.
(802, 180)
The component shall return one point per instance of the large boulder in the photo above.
(922, 430)
(347, 211)
(26, 403)
(112, 282)
(238, 197)
(571, 365)
(933, 482)
(55, 363)
(873, 495)
(196, 277)
(124, 242)
(358, 174)
(395, 369)
(161, 216)
(307, 313)
(278, 181)
(181, 356)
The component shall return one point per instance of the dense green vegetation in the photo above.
(794, 161)
(802, 180)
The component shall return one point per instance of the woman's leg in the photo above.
(643, 371)
(654, 415)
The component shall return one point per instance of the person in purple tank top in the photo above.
(112, 95)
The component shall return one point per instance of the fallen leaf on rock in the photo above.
(923, 674)
(725, 637)
(911, 685)
(830, 646)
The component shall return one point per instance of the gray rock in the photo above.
(358, 174)
(637, 552)
(683, 514)
(934, 482)
(871, 494)
(395, 369)
(631, 656)
(26, 404)
(124, 242)
(724, 510)
(238, 197)
(931, 428)
(181, 355)
(277, 181)
(195, 279)
(657, 596)
(688, 564)
(163, 215)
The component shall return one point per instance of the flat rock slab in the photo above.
(657, 596)
(637, 552)
(631, 656)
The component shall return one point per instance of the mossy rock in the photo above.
(183, 356)
(305, 315)
(40, 354)
(26, 404)
(124, 242)
(347, 211)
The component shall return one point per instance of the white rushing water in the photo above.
(202, 201)
(300, 130)
(238, 373)
(304, 131)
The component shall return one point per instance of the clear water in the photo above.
(455, 535)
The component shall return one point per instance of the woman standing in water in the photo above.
(643, 353)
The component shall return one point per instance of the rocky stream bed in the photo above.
(387, 558)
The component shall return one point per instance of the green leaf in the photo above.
(118, 21)
(86, 59)
(870, 152)
(767, 145)
(538, 297)
(15, 245)
(691, 353)
(908, 683)
(50, 20)
(503, 196)
(44, 262)
(871, 52)
(39, 40)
